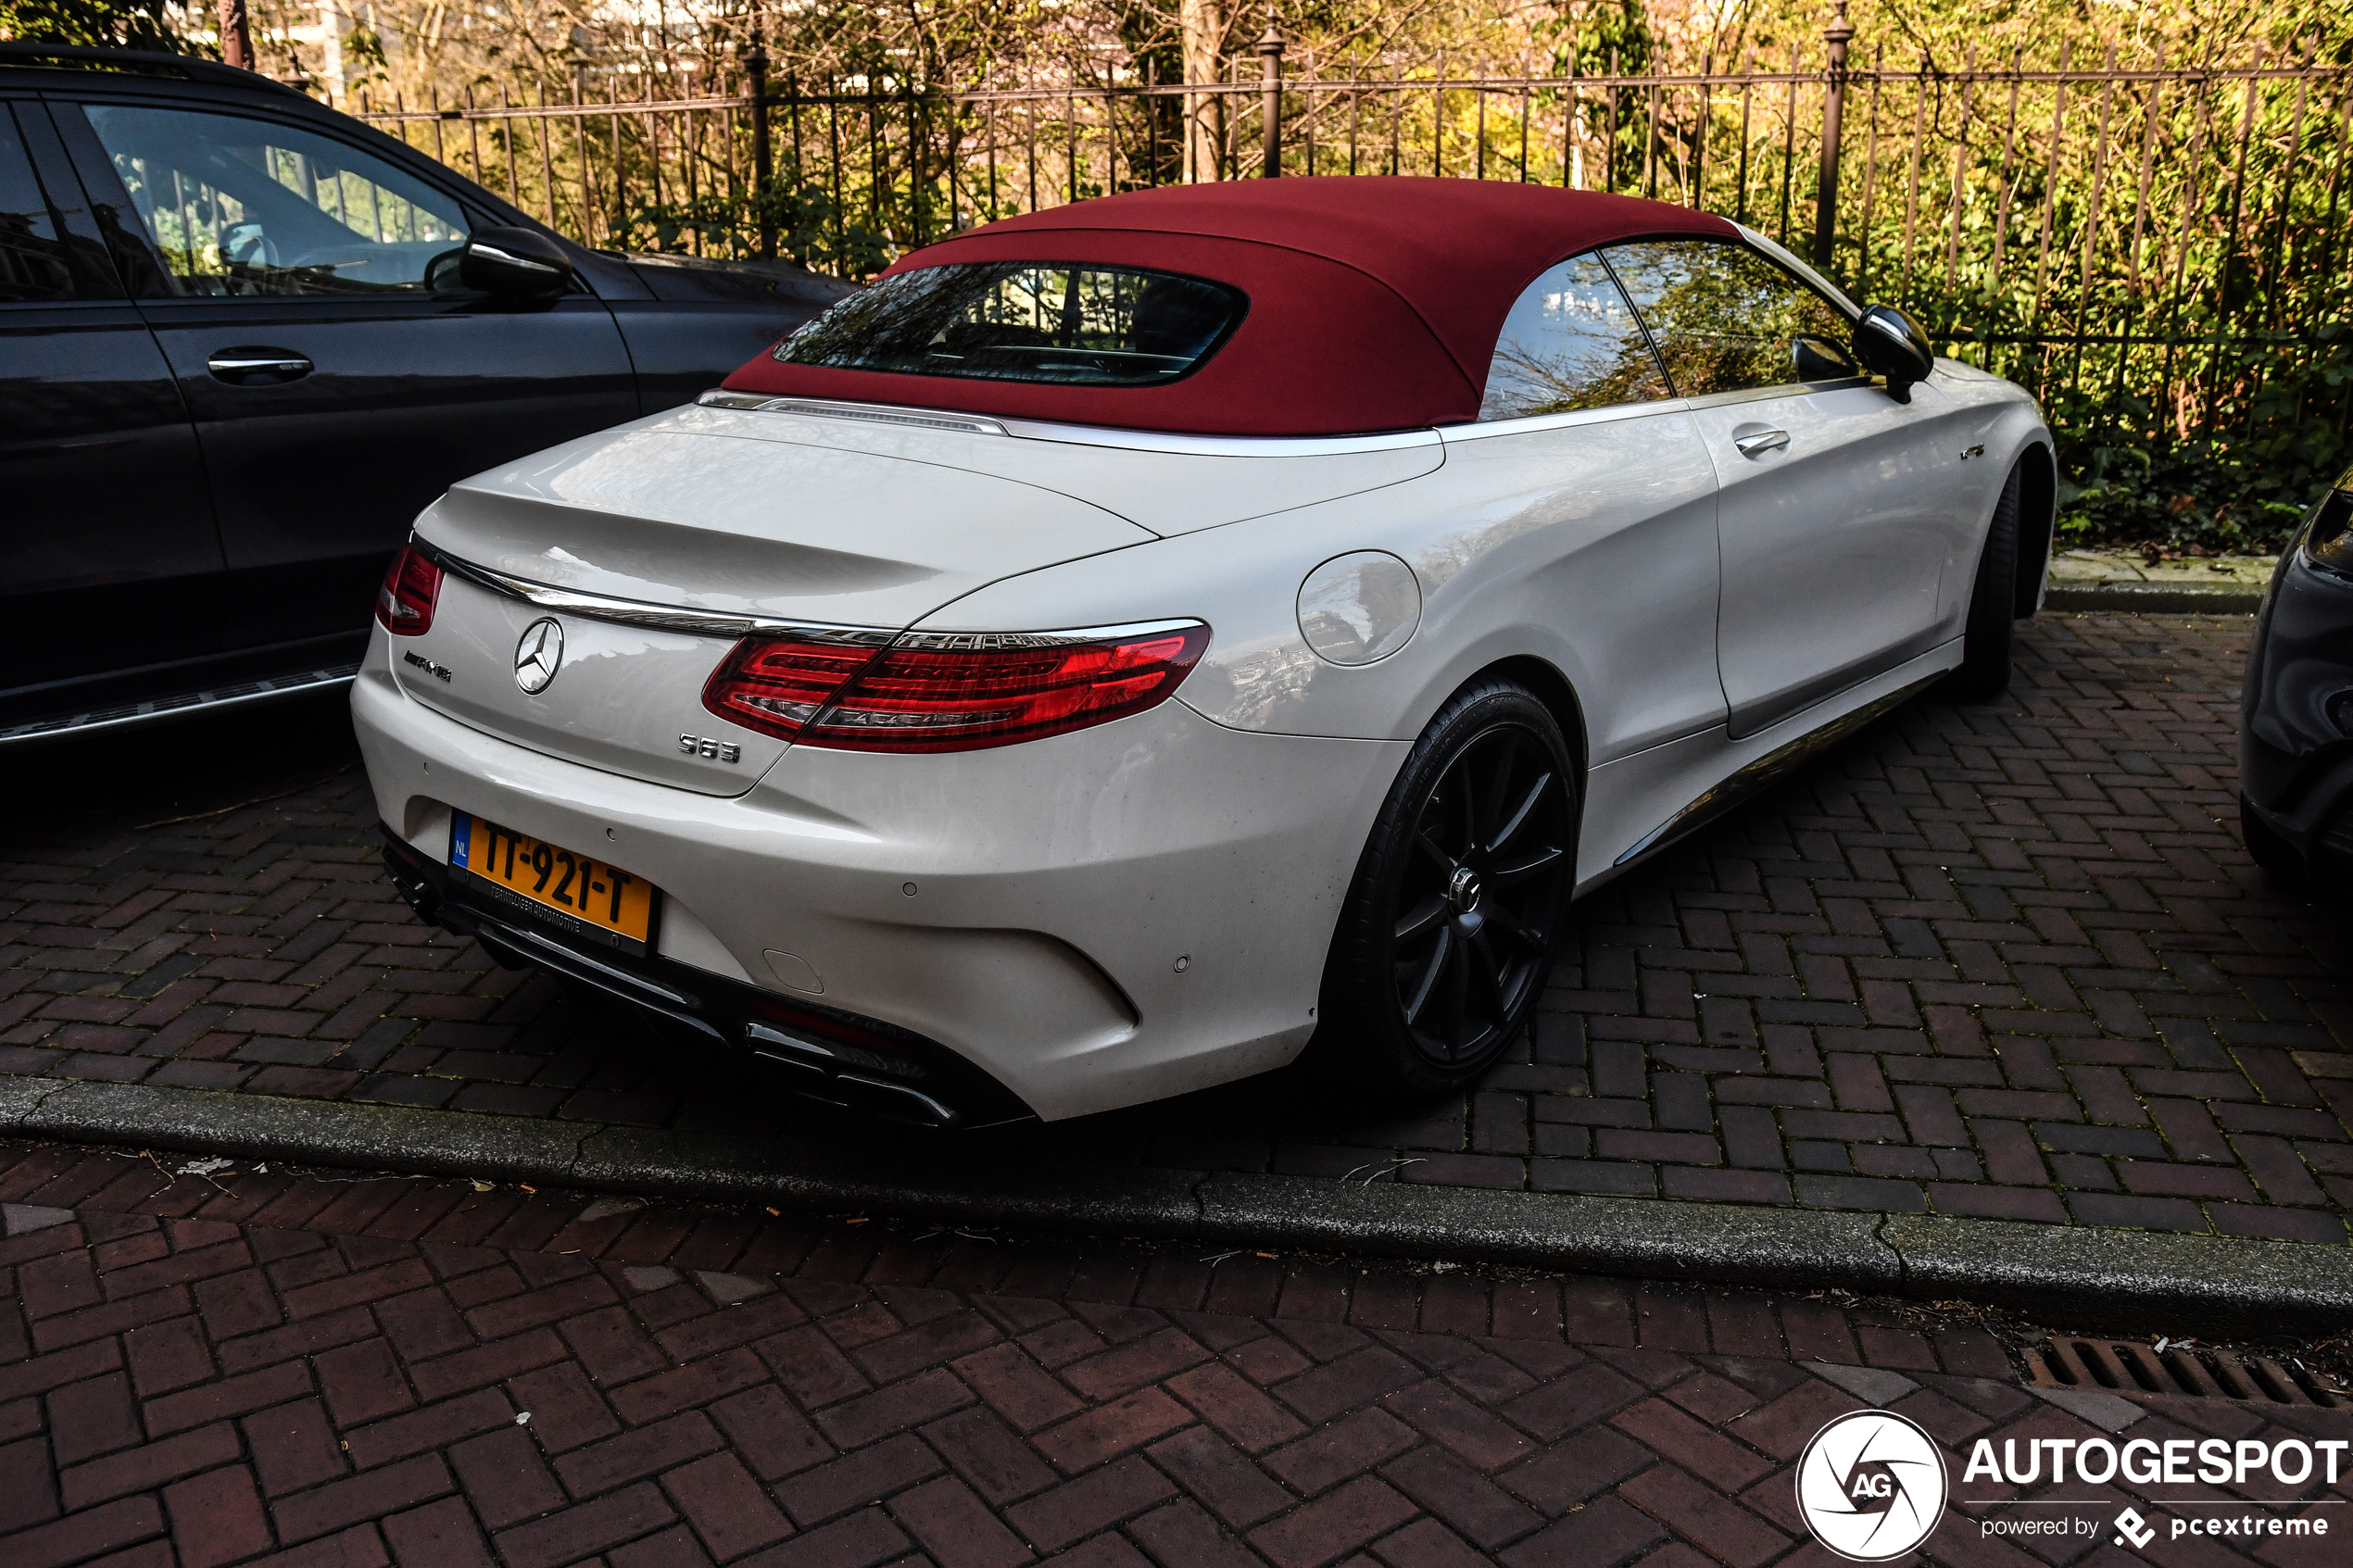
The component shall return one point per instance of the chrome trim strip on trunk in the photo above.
(826, 408)
(718, 623)
(659, 618)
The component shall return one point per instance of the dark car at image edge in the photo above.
(2295, 733)
(244, 339)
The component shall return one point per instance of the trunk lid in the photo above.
(1168, 485)
(697, 521)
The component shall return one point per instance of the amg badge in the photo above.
(438, 671)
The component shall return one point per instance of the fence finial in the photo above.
(1840, 32)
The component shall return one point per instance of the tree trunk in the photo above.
(1200, 26)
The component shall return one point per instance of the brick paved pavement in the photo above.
(2003, 959)
(306, 1371)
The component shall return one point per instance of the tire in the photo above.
(2271, 851)
(1985, 668)
(1450, 926)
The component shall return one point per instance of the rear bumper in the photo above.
(815, 1052)
(1091, 921)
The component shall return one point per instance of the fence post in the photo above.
(762, 160)
(1270, 101)
(1833, 100)
(236, 35)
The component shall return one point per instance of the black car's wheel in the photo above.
(1993, 607)
(1449, 930)
(2272, 852)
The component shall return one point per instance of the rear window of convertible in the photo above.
(1025, 322)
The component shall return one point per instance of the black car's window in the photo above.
(1569, 343)
(1727, 320)
(1024, 320)
(250, 206)
(32, 258)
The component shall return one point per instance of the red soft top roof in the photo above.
(1374, 302)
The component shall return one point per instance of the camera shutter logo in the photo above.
(538, 653)
(1871, 1485)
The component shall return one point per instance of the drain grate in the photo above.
(2121, 1366)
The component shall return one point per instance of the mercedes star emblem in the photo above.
(537, 656)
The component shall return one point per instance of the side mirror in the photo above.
(514, 262)
(1891, 344)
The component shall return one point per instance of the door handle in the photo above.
(1763, 440)
(237, 365)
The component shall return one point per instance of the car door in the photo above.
(109, 557)
(1835, 503)
(339, 374)
(1597, 489)
(706, 318)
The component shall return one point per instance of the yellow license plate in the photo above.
(589, 896)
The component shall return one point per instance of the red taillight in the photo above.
(948, 691)
(777, 687)
(405, 602)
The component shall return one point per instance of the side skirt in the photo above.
(1761, 774)
(230, 695)
(1712, 773)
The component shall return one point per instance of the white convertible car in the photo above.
(1130, 642)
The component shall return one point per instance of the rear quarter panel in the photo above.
(1588, 544)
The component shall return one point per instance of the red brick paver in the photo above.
(809, 1394)
(2002, 960)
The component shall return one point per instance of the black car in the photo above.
(2296, 724)
(244, 339)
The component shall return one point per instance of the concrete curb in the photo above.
(2080, 1276)
(2154, 598)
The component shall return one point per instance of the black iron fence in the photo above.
(2150, 244)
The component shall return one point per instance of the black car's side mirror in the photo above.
(1891, 344)
(514, 262)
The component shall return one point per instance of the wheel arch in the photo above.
(1553, 689)
(2037, 520)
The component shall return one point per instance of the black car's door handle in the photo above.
(258, 366)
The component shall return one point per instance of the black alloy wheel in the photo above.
(1450, 924)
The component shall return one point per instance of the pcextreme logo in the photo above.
(1871, 1485)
